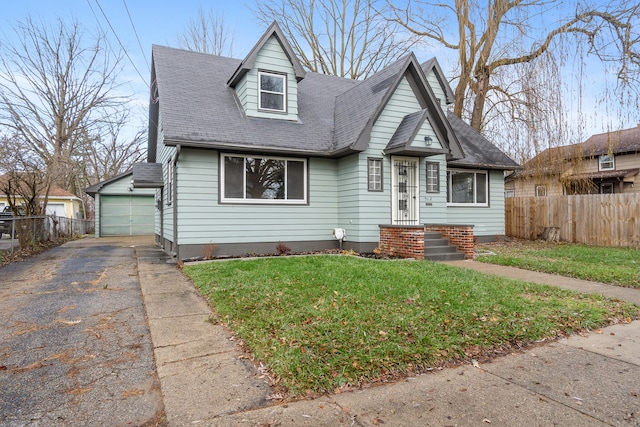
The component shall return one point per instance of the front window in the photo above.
(253, 179)
(606, 163)
(272, 94)
(374, 173)
(433, 177)
(541, 191)
(467, 188)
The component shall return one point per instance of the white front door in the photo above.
(405, 192)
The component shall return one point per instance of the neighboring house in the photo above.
(120, 209)
(604, 163)
(257, 151)
(60, 203)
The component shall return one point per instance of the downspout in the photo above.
(176, 251)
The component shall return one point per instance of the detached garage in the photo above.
(121, 209)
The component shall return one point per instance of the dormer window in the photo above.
(606, 163)
(273, 94)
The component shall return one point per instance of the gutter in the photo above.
(176, 251)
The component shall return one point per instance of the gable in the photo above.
(271, 62)
(438, 83)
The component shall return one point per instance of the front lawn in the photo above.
(325, 322)
(616, 266)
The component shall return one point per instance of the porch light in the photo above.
(427, 140)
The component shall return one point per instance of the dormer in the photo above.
(438, 83)
(266, 81)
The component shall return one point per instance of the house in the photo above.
(259, 151)
(59, 203)
(120, 209)
(605, 163)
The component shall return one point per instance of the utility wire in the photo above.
(120, 42)
(136, 33)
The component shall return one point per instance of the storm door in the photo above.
(404, 182)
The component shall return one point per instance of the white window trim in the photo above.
(475, 183)
(169, 181)
(613, 162)
(224, 199)
(544, 190)
(369, 175)
(437, 177)
(283, 93)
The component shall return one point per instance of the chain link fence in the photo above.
(30, 230)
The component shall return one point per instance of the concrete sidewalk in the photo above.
(205, 380)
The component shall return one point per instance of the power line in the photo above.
(136, 33)
(120, 42)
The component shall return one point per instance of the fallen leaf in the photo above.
(486, 420)
(376, 421)
(598, 331)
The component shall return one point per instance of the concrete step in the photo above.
(441, 241)
(457, 256)
(440, 249)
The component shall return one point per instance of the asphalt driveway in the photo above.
(75, 347)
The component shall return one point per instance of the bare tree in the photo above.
(26, 184)
(495, 36)
(207, 33)
(57, 84)
(346, 38)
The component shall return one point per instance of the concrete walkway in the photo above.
(205, 379)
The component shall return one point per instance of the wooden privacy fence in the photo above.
(598, 219)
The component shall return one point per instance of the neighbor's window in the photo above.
(509, 193)
(272, 92)
(374, 174)
(606, 188)
(541, 191)
(433, 177)
(467, 188)
(253, 179)
(606, 163)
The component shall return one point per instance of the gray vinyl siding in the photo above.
(375, 206)
(203, 220)
(433, 206)
(241, 92)
(164, 153)
(271, 58)
(438, 90)
(487, 221)
(360, 210)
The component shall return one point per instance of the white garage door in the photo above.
(57, 209)
(126, 215)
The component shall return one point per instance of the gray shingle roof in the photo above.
(198, 108)
(478, 151)
(356, 108)
(147, 175)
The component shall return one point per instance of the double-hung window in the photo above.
(374, 174)
(433, 177)
(257, 179)
(272, 92)
(606, 162)
(467, 188)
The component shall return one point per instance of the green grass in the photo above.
(616, 266)
(324, 322)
